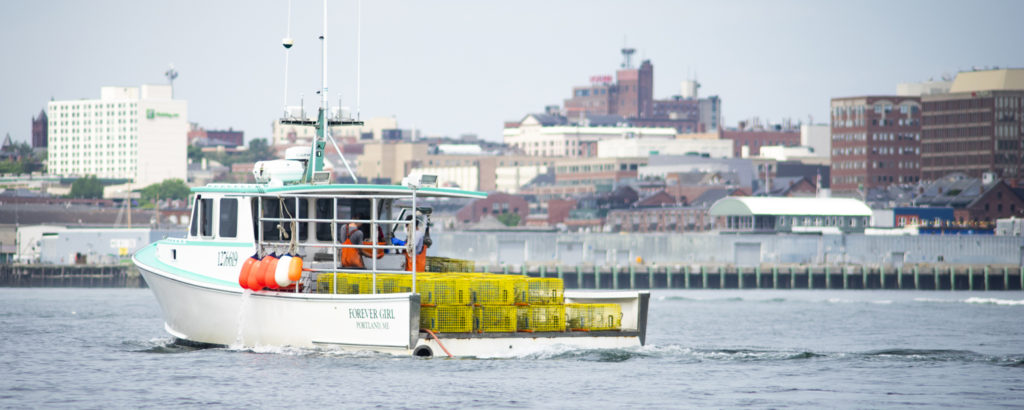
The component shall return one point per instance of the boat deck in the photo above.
(535, 335)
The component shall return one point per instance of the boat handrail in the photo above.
(285, 219)
(325, 194)
(338, 246)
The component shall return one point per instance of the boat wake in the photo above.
(974, 301)
(670, 352)
(166, 346)
(698, 355)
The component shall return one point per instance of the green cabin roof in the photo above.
(309, 188)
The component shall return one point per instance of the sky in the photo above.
(456, 67)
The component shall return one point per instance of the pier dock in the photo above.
(915, 277)
(78, 276)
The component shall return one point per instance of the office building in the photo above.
(136, 133)
(876, 141)
(549, 135)
(977, 127)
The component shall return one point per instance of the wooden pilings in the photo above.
(80, 276)
(913, 277)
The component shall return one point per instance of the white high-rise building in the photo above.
(137, 133)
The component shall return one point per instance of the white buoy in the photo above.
(281, 273)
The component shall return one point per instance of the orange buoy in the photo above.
(267, 276)
(281, 271)
(243, 275)
(253, 273)
(295, 268)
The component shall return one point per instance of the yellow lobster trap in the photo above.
(542, 291)
(333, 283)
(541, 318)
(494, 318)
(488, 289)
(453, 319)
(593, 316)
(362, 283)
(444, 290)
(441, 264)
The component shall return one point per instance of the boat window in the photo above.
(194, 228)
(348, 208)
(228, 218)
(272, 209)
(206, 217)
(254, 206)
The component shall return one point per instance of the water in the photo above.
(98, 348)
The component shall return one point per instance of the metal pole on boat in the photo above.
(316, 154)
(411, 241)
(373, 241)
(334, 245)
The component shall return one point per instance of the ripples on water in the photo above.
(106, 347)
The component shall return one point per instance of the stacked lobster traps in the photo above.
(464, 302)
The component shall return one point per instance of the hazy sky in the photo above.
(453, 67)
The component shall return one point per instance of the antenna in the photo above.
(171, 74)
(359, 32)
(627, 55)
(323, 73)
(316, 149)
(287, 42)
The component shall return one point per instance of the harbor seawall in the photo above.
(917, 277)
(79, 276)
(747, 250)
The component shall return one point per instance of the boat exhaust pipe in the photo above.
(423, 351)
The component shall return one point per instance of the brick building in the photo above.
(666, 219)
(876, 141)
(999, 200)
(39, 129)
(494, 205)
(631, 96)
(977, 127)
(755, 139)
(201, 137)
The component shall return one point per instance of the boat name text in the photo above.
(379, 319)
(227, 258)
(371, 313)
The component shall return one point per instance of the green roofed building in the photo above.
(797, 215)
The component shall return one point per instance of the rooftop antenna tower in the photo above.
(287, 42)
(627, 54)
(171, 74)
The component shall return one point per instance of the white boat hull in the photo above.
(220, 314)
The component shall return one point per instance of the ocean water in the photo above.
(102, 348)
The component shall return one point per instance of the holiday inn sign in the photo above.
(151, 114)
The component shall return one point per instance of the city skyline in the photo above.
(464, 67)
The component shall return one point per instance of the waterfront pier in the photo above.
(79, 276)
(854, 277)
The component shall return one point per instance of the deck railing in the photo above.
(336, 245)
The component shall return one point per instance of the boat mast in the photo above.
(316, 155)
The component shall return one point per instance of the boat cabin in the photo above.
(313, 220)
